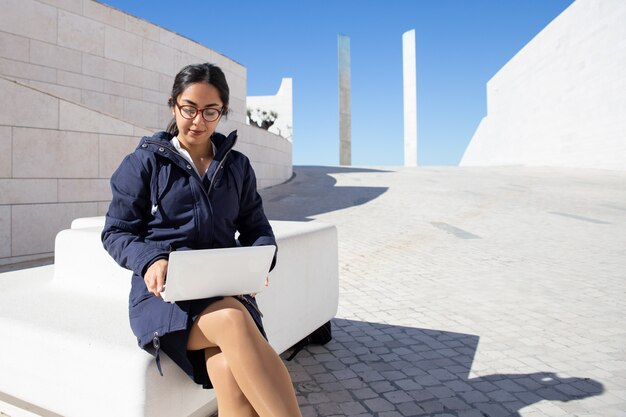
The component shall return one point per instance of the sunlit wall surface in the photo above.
(561, 100)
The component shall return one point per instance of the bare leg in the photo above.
(231, 401)
(256, 367)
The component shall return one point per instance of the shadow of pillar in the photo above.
(373, 369)
(312, 190)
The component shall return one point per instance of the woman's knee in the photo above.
(218, 368)
(225, 321)
(222, 377)
(232, 318)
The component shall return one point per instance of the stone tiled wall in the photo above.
(95, 55)
(561, 100)
(79, 83)
(52, 168)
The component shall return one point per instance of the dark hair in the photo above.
(198, 73)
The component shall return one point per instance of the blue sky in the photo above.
(460, 45)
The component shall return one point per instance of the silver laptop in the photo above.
(204, 273)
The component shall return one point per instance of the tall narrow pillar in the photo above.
(343, 51)
(410, 98)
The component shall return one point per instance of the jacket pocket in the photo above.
(138, 300)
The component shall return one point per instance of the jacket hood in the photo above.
(223, 144)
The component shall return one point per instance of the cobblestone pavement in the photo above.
(467, 291)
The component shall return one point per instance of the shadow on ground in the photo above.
(312, 190)
(377, 369)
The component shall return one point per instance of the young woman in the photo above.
(187, 188)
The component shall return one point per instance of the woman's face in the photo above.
(195, 132)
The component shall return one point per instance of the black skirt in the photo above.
(174, 344)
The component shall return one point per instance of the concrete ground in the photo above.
(467, 291)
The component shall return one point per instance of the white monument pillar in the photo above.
(410, 98)
(343, 54)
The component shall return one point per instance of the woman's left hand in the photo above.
(155, 277)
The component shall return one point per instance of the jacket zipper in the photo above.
(219, 166)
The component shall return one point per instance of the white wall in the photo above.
(281, 103)
(561, 101)
(80, 82)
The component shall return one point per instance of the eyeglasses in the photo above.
(208, 114)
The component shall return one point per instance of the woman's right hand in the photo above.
(155, 277)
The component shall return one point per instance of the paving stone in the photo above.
(369, 358)
(334, 365)
(509, 386)
(528, 383)
(552, 394)
(470, 413)
(306, 360)
(442, 375)
(299, 376)
(501, 396)
(322, 378)
(569, 390)
(305, 387)
(360, 367)
(402, 351)
(317, 398)
(314, 369)
(328, 409)
(513, 406)
(389, 414)
(415, 372)
(331, 387)
(352, 408)
(431, 407)
(484, 386)
(324, 357)
(393, 375)
(340, 396)
(308, 411)
(410, 409)
(379, 404)
(344, 374)
(458, 386)
(342, 353)
(382, 386)
(397, 397)
(493, 410)
(441, 391)
(454, 403)
(391, 358)
(427, 380)
(408, 384)
(371, 376)
(421, 395)
(386, 370)
(588, 387)
(354, 383)
(474, 397)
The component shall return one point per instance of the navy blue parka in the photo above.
(160, 204)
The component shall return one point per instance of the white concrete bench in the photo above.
(66, 347)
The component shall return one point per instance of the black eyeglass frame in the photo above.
(196, 110)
